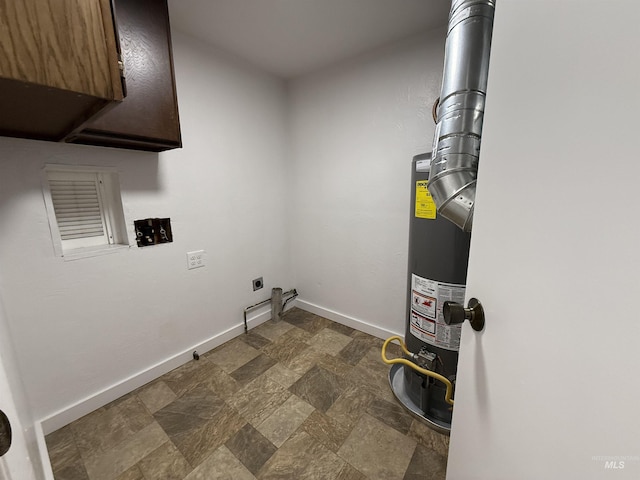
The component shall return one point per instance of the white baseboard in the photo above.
(346, 320)
(87, 405)
(93, 402)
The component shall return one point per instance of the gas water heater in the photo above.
(424, 380)
(438, 258)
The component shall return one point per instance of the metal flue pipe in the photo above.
(276, 304)
(456, 148)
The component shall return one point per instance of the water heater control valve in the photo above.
(426, 359)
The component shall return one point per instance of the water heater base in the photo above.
(396, 381)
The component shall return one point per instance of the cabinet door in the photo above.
(148, 118)
(58, 65)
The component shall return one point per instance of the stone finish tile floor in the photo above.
(304, 398)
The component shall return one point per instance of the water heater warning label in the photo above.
(427, 321)
(425, 206)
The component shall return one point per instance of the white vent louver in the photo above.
(77, 207)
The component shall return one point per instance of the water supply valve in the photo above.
(454, 314)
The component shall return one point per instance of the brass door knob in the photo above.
(5, 434)
(454, 313)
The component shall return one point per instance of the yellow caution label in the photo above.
(425, 206)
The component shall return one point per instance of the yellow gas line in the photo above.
(424, 371)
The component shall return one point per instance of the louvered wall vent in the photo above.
(85, 209)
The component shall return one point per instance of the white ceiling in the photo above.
(292, 37)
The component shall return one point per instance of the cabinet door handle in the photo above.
(5, 433)
(454, 313)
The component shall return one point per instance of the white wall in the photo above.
(549, 390)
(355, 129)
(80, 327)
(307, 186)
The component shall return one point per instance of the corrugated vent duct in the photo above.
(456, 148)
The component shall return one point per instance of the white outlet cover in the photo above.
(196, 259)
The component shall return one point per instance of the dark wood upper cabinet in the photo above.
(58, 65)
(147, 119)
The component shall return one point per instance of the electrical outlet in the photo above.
(196, 259)
(257, 284)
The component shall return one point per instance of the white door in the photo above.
(551, 388)
(8, 462)
(17, 463)
(7, 408)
